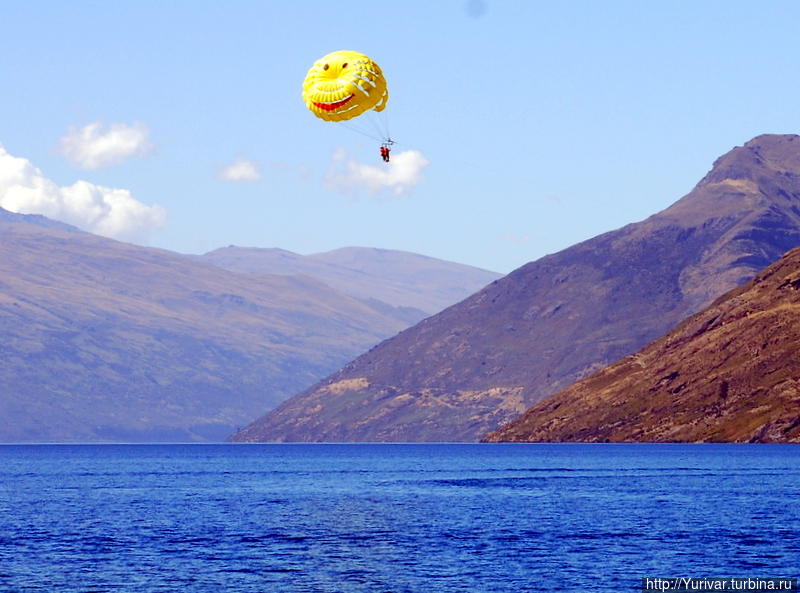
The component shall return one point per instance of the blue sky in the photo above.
(542, 124)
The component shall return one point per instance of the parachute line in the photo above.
(362, 131)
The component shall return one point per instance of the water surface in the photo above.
(392, 518)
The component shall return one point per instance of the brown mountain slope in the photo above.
(730, 373)
(478, 364)
(102, 340)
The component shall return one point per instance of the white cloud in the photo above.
(397, 177)
(102, 210)
(240, 170)
(92, 147)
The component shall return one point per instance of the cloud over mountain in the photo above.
(397, 177)
(106, 211)
(93, 147)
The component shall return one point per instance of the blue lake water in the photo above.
(392, 518)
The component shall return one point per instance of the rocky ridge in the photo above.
(728, 374)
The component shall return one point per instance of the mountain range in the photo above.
(105, 341)
(730, 373)
(481, 363)
(415, 286)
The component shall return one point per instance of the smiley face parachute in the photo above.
(344, 85)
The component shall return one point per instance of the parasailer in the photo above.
(343, 85)
(386, 148)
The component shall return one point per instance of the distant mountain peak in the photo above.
(769, 152)
(766, 141)
(419, 284)
(756, 180)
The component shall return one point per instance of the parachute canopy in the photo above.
(343, 85)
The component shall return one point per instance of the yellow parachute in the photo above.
(343, 85)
